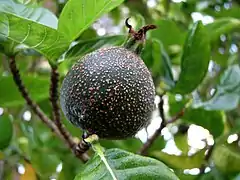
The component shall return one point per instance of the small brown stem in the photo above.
(80, 149)
(137, 38)
(150, 141)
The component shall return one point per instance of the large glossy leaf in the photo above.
(125, 166)
(228, 91)
(84, 47)
(41, 38)
(206, 119)
(222, 26)
(38, 88)
(227, 158)
(32, 27)
(195, 59)
(6, 130)
(182, 161)
(37, 14)
(78, 15)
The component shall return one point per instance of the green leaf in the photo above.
(126, 166)
(195, 59)
(38, 89)
(161, 63)
(43, 39)
(158, 61)
(176, 103)
(228, 91)
(158, 144)
(181, 141)
(232, 12)
(227, 158)
(222, 26)
(37, 14)
(84, 47)
(181, 162)
(168, 33)
(6, 131)
(44, 162)
(78, 15)
(71, 166)
(206, 119)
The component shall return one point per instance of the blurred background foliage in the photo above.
(29, 150)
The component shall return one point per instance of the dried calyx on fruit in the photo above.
(110, 92)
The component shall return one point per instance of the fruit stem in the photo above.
(136, 39)
(94, 141)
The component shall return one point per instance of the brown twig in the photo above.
(150, 141)
(36, 109)
(78, 149)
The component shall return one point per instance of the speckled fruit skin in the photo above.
(109, 92)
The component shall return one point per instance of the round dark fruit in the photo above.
(110, 92)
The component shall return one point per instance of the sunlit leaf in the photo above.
(29, 28)
(41, 38)
(37, 14)
(125, 166)
(78, 15)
